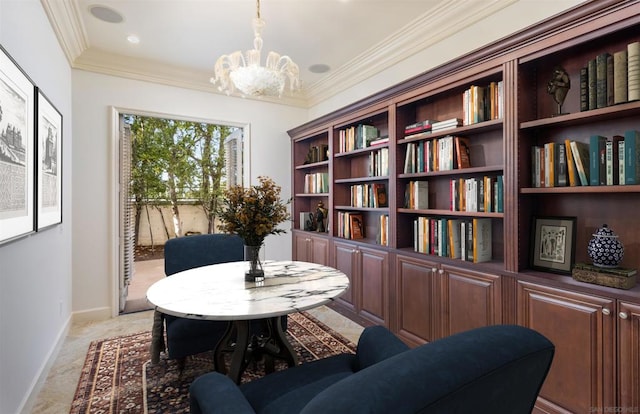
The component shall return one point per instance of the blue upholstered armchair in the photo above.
(187, 337)
(498, 369)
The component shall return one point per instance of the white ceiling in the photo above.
(180, 40)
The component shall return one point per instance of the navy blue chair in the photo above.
(497, 369)
(186, 337)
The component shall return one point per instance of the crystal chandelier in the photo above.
(244, 72)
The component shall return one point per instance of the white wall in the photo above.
(35, 271)
(515, 17)
(94, 268)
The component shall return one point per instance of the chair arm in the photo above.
(215, 393)
(376, 344)
(157, 337)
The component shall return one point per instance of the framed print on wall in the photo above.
(49, 163)
(17, 142)
(553, 243)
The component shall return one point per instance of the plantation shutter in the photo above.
(127, 212)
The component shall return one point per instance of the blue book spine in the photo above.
(632, 157)
(597, 160)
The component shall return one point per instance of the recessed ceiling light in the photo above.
(133, 39)
(106, 14)
(319, 68)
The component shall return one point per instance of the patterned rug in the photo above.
(118, 377)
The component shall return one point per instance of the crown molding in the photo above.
(64, 17)
(445, 19)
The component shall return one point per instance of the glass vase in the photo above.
(254, 272)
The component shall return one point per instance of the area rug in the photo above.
(118, 377)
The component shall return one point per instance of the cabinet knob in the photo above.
(606, 311)
(308, 239)
(623, 315)
(433, 270)
(441, 271)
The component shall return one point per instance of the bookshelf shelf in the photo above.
(449, 213)
(583, 190)
(360, 179)
(586, 117)
(321, 164)
(312, 195)
(455, 172)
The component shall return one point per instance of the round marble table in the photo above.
(219, 292)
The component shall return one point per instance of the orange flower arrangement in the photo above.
(254, 212)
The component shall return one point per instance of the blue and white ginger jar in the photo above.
(605, 249)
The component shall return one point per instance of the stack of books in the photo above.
(447, 124)
(612, 277)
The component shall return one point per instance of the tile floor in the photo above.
(57, 392)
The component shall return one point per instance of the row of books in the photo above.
(351, 225)
(356, 137)
(316, 183)
(446, 153)
(379, 163)
(483, 103)
(610, 79)
(603, 160)
(369, 195)
(317, 153)
(465, 239)
(416, 195)
(482, 194)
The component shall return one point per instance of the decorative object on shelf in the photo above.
(553, 244)
(307, 221)
(321, 216)
(253, 213)
(612, 277)
(245, 73)
(605, 249)
(559, 86)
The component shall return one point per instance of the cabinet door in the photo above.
(629, 355)
(301, 247)
(470, 300)
(415, 304)
(582, 374)
(374, 288)
(319, 250)
(344, 255)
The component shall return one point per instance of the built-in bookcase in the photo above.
(311, 160)
(485, 139)
(539, 123)
(423, 296)
(358, 191)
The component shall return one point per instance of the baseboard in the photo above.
(31, 397)
(92, 315)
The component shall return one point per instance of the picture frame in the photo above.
(553, 244)
(17, 150)
(49, 163)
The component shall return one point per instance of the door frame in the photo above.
(115, 255)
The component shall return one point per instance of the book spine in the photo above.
(601, 80)
(609, 80)
(591, 77)
(597, 165)
(620, 77)
(621, 157)
(633, 71)
(584, 89)
(571, 167)
(632, 157)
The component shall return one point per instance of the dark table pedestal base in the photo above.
(247, 348)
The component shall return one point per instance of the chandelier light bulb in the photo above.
(245, 73)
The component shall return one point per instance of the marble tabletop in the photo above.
(219, 292)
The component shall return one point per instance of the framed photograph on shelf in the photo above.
(49, 163)
(553, 244)
(17, 150)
